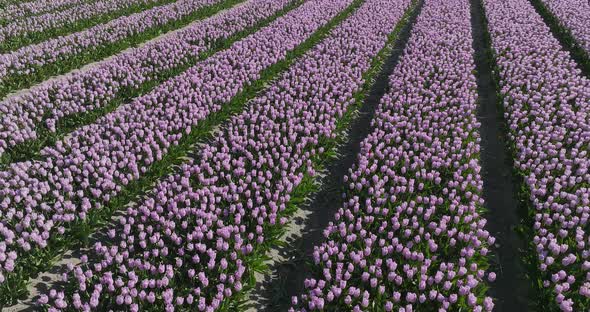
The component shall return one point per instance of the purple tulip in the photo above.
(412, 211)
(28, 59)
(65, 17)
(19, 10)
(260, 156)
(546, 101)
(96, 161)
(97, 86)
(574, 15)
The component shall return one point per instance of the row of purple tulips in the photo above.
(189, 244)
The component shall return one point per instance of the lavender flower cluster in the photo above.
(4, 3)
(187, 245)
(574, 15)
(409, 236)
(93, 164)
(63, 18)
(84, 91)
(29, 59)
(546, 102)
(23, 9)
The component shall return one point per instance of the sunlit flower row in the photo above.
(29, 59)
(187, 246)
(62, 18)
(24, 115)
(574, 15)
(547, 109)
(22, 9)
(410, 236)
(84, 171)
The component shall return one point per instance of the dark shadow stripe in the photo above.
(512, 289)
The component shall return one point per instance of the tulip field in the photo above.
(294, 155)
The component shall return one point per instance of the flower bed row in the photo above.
(30, 119)
(42, 27)
(24, 9)
(94, 164)
(410, 236)
(573, 15)
(28, 65)
(547, 105)
(4, 3)
(189, 245)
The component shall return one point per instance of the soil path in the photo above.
(511, 290)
